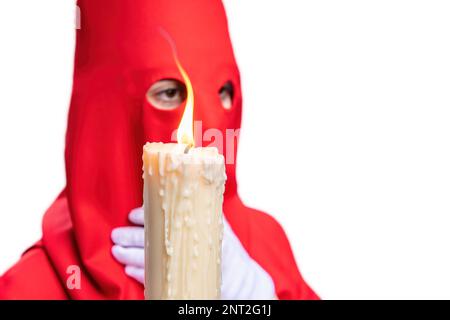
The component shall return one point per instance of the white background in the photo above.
(345, 140)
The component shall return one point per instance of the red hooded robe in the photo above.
(120, 53)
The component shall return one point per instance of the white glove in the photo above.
(128, 246)
(242, 277)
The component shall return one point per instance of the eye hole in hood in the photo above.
(167, 94)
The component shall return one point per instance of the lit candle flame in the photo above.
(185, 133)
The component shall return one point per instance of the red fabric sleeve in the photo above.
(267, 243)
(289, 283)
(32, 278)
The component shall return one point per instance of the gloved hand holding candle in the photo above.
(182, 257)
(242, 277)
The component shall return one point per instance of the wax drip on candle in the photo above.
(162, 162)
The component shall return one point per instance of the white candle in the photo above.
(183, 197)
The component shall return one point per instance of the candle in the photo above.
(183, 196)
